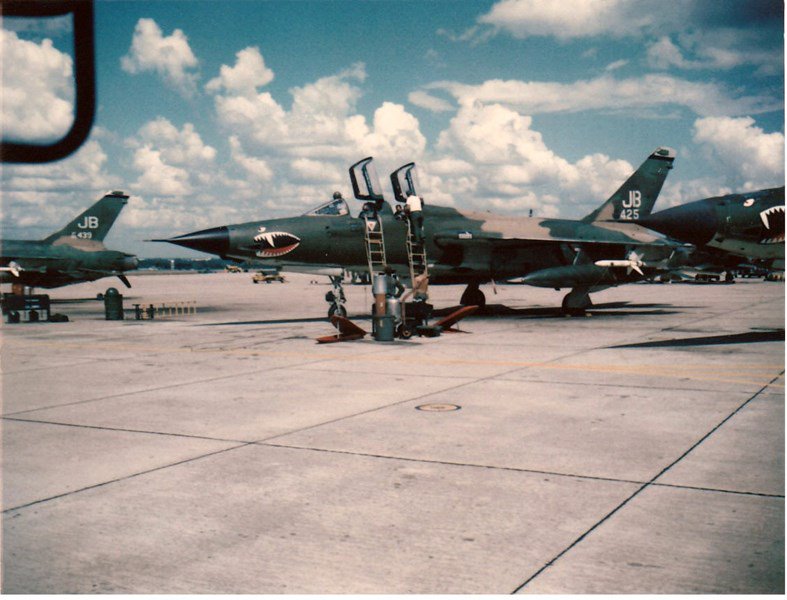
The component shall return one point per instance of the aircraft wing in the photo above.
(478, 238)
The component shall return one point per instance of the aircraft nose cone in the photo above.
(695, 222)
(213, 241)
(130, 263)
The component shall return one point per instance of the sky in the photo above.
(215, 112)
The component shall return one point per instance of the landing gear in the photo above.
(472, 296)
(576, 302)
(336, 298)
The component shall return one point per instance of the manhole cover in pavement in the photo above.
(438, 407)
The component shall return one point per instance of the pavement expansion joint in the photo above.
(640, 490)
(124, 478)
(450, 463)
(126, 430)
(717, 490)
(612, 470)
(163, 387)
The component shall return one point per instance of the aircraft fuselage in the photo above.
(54, 265)
(461, 246)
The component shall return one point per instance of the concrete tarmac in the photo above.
(636, 450)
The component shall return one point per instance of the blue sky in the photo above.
(216, 112)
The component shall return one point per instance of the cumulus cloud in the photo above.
(257, 168)
(158, 177)
(565, 20)
(681, 192)
(712, 34)
(310, 143)
(245, 77)
(42, 197)
(394, 132)
(83, 170)
(170, 160)
(491, 156)
(180, 146)
(609, 93)
(38, 90)
(752, 159)
(316, 122)
(160, 217)
(168, 56)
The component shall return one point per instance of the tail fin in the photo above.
(636, 197)
(94, 223)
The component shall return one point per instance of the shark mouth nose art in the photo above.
(773, 220)
(275, 243)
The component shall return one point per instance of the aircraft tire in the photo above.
(405, 332)
(575, 304)
(472, 296)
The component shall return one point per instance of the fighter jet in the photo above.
(726, 228)
(73, 254)
(605, 248)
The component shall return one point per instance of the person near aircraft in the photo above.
(416, 215)
(368, 211)
(394, 288)
(420, 287)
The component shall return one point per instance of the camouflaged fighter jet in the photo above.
(74, 254)
(604, 249)
(726, 228)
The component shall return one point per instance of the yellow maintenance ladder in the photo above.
(375, 244)
(416, 256)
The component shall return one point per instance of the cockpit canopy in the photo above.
(335, 208)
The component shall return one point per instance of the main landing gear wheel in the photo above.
(473, 296)
(576, 303)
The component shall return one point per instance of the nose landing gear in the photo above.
(336, 298)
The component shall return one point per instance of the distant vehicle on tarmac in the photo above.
(262, 277)
(233, 269)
